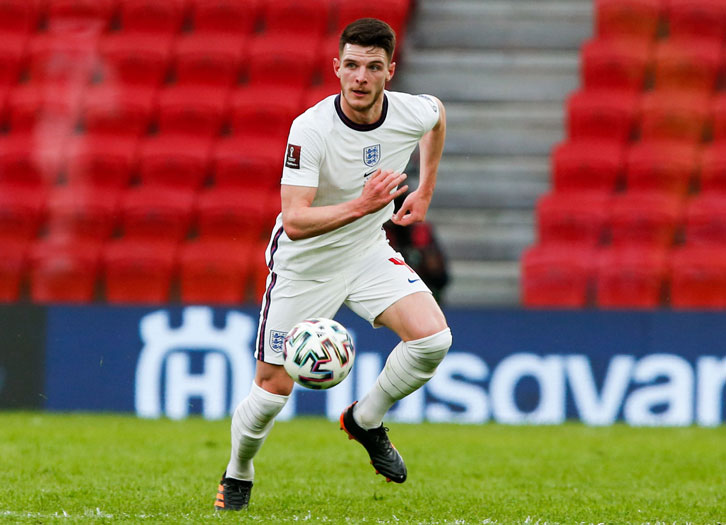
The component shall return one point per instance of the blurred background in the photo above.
(584, 165)
(584, 168)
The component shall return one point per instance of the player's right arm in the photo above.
(302, 220)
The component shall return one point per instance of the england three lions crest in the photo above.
(277, 340)
(372, 155)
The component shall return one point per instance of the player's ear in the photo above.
(336, 67)
(391, 71)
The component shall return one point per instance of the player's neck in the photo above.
(369, 115)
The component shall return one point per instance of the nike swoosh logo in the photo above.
(413, 280)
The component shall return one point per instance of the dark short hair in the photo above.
(369, 32)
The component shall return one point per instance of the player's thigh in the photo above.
(287, 302)
(414, 316)
(383, 287)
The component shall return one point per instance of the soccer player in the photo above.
(342, 170)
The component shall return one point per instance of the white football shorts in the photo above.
(368, 286)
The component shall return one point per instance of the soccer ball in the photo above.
(318, 353)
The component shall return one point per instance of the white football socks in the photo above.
(251, 423)
(409, 366)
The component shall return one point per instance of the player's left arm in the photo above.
(431, 147)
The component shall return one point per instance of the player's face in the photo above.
(363, 73)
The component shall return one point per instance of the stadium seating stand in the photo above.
(157, 213)
(698, 278)
(668, 166)
(138, 271)
(588, 165)
(215, 271)
(64, 271)
(557, 276)
(602, 114)
(573, 218)
(634, 19)
(631, 277)
(12, 269)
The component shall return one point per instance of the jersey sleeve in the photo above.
(303, 156)
(429, 111)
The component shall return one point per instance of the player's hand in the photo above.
(381, 188)
(412, 210)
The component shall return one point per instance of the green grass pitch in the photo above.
(57, 468)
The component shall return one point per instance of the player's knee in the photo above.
(430, 351)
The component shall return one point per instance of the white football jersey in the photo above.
(328, 151)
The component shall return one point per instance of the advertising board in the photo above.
(22, 341)
(513, 366)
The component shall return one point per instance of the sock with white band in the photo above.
(409, 366)
(251, 423)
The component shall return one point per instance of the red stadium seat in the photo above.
(713, 168)
(29, 160)
(287, 61)
(260, 272)
(12, 269)
(64, 271)
(665, 166)
(83, 213)
(102, 160)
(674, 115)
(701, 19)
(628, 18)
(394, 12)
(4, 93)
(324, 71)
(19, 16)
(615, 64)
(139, 271)
(194, 111)
(151, 16)
(645, 219)
(157, 213)
(100, 11)
(718, 114)
(315, 94)
(557, 276)
(135, 59)
(236, 214)
(264, 111)
(22, 211)
(572, 218)
(687, 65)
(226, 16)
(63, 56)
(587, 165)
(631, 277)
(311, 17)
(698, 278)
(174, 161)
(209, 59)
(45, 110)
(118, 110)
(705, 222)
(248, 162)
(601, 114)
(13, 49)
(215, 272)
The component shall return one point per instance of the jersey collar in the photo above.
(362, 127)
